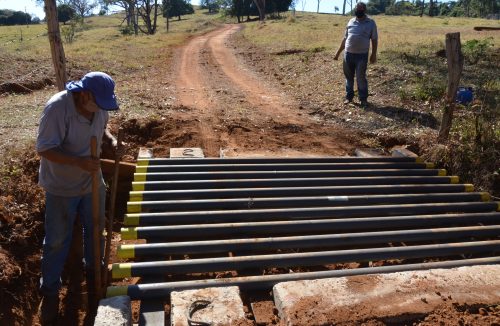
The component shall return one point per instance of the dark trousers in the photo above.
(355, 64)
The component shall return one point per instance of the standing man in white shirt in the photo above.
(360, 30)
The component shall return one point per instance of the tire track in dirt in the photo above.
(240, 112)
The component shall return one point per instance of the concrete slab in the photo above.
(194, 152)
(225, 308)
(115, 311)
(393, 297)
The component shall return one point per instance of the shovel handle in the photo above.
(96, 237)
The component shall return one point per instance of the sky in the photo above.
(31, 7)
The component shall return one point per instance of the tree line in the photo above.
(10, 17)
(460, 8)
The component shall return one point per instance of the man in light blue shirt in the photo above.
(67, 124)
(360, 30)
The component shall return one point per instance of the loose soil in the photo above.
(229, 99)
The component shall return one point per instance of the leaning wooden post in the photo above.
(56, 46)
(455, 65)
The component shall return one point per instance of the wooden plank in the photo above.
(402, 152)
(126, 171)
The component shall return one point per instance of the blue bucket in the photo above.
(465, 95)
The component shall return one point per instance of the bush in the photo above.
(475, 50)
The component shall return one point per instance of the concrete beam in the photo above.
(224, 307)
(115, 311)
(394, 297)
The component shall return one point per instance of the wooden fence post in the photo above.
(56, 46)
(455, 64)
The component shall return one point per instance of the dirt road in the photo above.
(240, 114)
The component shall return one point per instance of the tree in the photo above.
(318, 6)
(176, 8)
(147, 10)
(261, 7)
(65, 13)
(82, 7)
(211, 5)
(129, 8)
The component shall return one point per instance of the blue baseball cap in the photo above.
(101, 85)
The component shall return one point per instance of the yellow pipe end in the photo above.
(141, 169)
(121, 270)
(134, 206)
(140, 176)
(485, 196)
(498, 206)
(143, 162)
(442, 172)
(131, 219)
(418, 159)
(115, 291)
(454, 179)
(136, 196)
(129, 233)
(126, 251)
(469, 187)
(429, 165)
(138, 186)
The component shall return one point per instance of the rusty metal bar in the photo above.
(304, 191)
(260, 282)
(198, 217)
(205, 265)
(284, 202)
(298, 182)
(303, 242)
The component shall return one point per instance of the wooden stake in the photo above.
(56, 46)
(96, 232)
(455, 65)
(111, 214)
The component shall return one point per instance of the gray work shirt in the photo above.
(63, 128)
(358, 34)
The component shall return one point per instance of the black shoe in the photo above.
(49, 310)
(364, 104)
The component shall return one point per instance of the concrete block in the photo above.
(369, 152)
(225, 308)
(194, 152)
(388, 297)
(115, 311)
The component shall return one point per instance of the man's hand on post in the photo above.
(373, 58)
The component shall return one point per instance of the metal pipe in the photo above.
(170, 176)
(197, 217)
(286, 160)
(282, 166)
(298, 182)
(303, 191)
(225, 230)
(163, 290)
(204, 265)
(284, 202)
(308, 241)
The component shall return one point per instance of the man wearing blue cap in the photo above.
(69, 120)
